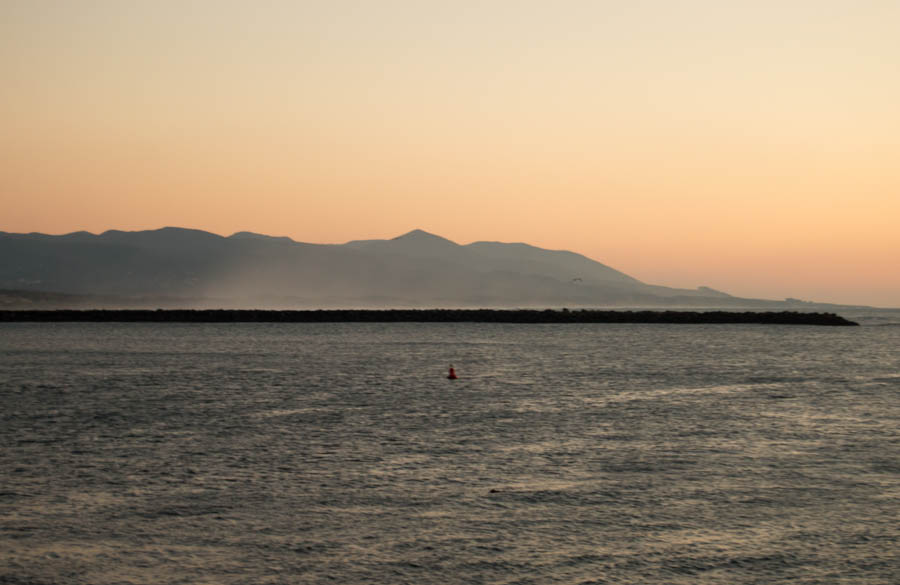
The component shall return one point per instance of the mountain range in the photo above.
(193, 268)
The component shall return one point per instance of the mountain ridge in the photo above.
(416, 268)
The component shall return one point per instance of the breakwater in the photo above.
(424, 316)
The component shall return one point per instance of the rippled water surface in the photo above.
(339, 453)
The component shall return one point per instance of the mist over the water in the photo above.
(316, 453)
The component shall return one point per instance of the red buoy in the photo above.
(452, 374)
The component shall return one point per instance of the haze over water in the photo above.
(314, 453)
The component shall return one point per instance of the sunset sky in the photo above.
(750, 146)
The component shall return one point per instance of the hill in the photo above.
(183, 267)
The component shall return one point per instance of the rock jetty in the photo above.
(425, 316)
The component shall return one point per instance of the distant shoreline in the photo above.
(421, 316)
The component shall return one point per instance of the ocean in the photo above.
(339, 453)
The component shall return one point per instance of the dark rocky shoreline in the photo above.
(423, 316)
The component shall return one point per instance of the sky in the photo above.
(750, 146)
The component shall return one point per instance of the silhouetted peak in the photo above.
(422, 237)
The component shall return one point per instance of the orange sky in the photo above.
(748, 146)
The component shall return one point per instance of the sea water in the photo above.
(340, 453)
